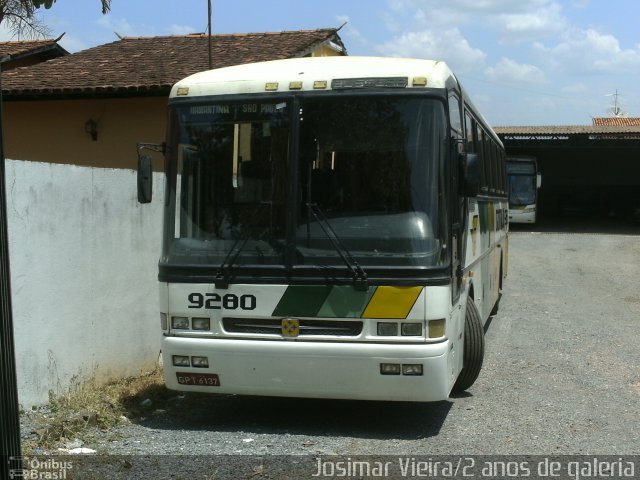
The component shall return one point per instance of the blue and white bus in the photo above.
(334, 228)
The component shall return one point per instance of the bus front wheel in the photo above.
(473, 350)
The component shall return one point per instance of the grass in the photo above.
(89, 407)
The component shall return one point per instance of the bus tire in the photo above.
(473, 350)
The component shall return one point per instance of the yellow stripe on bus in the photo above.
(392, 302)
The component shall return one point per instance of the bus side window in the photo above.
(494, 167)
(455, 118)
(469, 132)
(489, 164)
(503, 169)
(499, 166)
(483, 160)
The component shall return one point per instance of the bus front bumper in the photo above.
(522, 215)
(337, 370)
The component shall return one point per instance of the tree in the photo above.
(106, 4)
(20, 16)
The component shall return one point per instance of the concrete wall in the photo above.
(84, 260)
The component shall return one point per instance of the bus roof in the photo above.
(315, 73)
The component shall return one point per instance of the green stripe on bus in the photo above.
(346, 302)
(301, 301)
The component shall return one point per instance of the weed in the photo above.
(88, 408)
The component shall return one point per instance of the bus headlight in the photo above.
(201, 324)
(387, 329)
(411, 329)
(180, 323)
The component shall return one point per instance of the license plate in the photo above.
(198, 379)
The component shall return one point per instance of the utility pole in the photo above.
(10, 461)
(209, 28)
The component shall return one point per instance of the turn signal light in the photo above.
(436, 328)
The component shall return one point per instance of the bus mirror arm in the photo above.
(145, 170)
(470, 173)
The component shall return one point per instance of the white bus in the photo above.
(524, 182)
(334, 228)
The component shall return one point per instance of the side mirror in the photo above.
(145, 170)
(145, 179)
(538, 180)
(470, 169)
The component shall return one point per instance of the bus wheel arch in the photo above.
(473, 348)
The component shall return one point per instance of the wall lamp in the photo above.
(91, 127)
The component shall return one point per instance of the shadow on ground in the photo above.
(271, 415)
(580, 224)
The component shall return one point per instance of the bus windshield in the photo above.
(371, 166)
(522, 183)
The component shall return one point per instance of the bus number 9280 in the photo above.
(214, 301)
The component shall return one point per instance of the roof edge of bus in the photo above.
(310, 73)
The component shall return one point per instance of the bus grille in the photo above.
(309, 327)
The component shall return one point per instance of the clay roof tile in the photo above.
(153, 64)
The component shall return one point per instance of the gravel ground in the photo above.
(561, 376)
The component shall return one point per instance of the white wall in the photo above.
(83, 257)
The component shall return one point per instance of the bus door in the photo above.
(458, 202)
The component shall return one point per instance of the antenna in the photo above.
(616, 110)
(210, 59)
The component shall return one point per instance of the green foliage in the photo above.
(106, 4)
(19, 16)
(46, 3)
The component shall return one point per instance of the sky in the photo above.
(523, 62)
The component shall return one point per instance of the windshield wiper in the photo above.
(360, 279)
(224, 270)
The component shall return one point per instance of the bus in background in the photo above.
(334, 228)
(524, 182)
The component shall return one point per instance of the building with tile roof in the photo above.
(29, 52)
(616, 121)
(149, 66)
(122, 88)
(590, 172)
